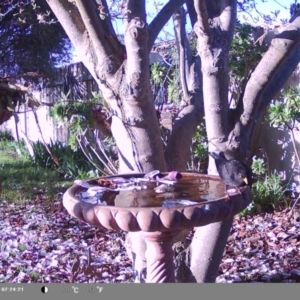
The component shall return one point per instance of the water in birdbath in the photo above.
(150, 190)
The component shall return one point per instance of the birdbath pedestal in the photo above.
(158, 224)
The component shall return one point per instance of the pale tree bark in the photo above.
(191, 113)
(231, 131)
(120, 73)
(266, 81)
(214, 29)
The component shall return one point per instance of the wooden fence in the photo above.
(48, 96)
(275, 141)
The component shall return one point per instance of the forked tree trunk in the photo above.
(122, 74)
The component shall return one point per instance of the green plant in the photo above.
(287, 113)
(41, 157)
(174, 87)
(269, 192)
(259, 167)
(6, 135)
(35, 275)
(199, 150)
(22, 248)
(158, 73)
(18, 148)
(249, 210)
(71, 163)
(245, 54)
(78, 116)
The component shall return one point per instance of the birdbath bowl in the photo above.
(157, 210)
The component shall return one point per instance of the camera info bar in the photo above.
(148, 291)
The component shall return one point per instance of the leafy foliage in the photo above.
(259, 167)
(80, 114)
(245, 54)
(166, 77)
(11, 146)
(72, 163)
(158, 73)
(77, 115)
(287, 111)
(268, 190)
(6, 135)
(199, 150)
(74, 114)
(174, 87)
(245, 51)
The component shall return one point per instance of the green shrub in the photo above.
(199, 150)
(268, 190)
(13, 146)
(71, 163)
(6, 135)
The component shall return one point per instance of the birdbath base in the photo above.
(159, 257)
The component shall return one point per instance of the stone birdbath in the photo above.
(157, 207)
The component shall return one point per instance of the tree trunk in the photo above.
(122, 74)
(207, 249)
(214, 29)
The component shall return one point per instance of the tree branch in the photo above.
(105, 17)
(177, 152)
(202, 16)
(263, 78)
(215, 35)
(135, 37)
(228, 16)
(183, 48)
(71, 21)
(192, 12)
(161, 19)
(102, 34)
(185, 123)
(280, 79)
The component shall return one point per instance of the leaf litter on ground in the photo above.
(53, 247)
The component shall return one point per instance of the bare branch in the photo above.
(177, 152)
(179, 22)
(135, 37)
(192, 12)
(105, 17)
(267, 79)
(161, 19)
(280, 78)
(202, 16)
(185, 123)
(228, 16)
(100, 31)
(71, 21)
(281, 48)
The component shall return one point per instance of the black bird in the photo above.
(233, 172)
